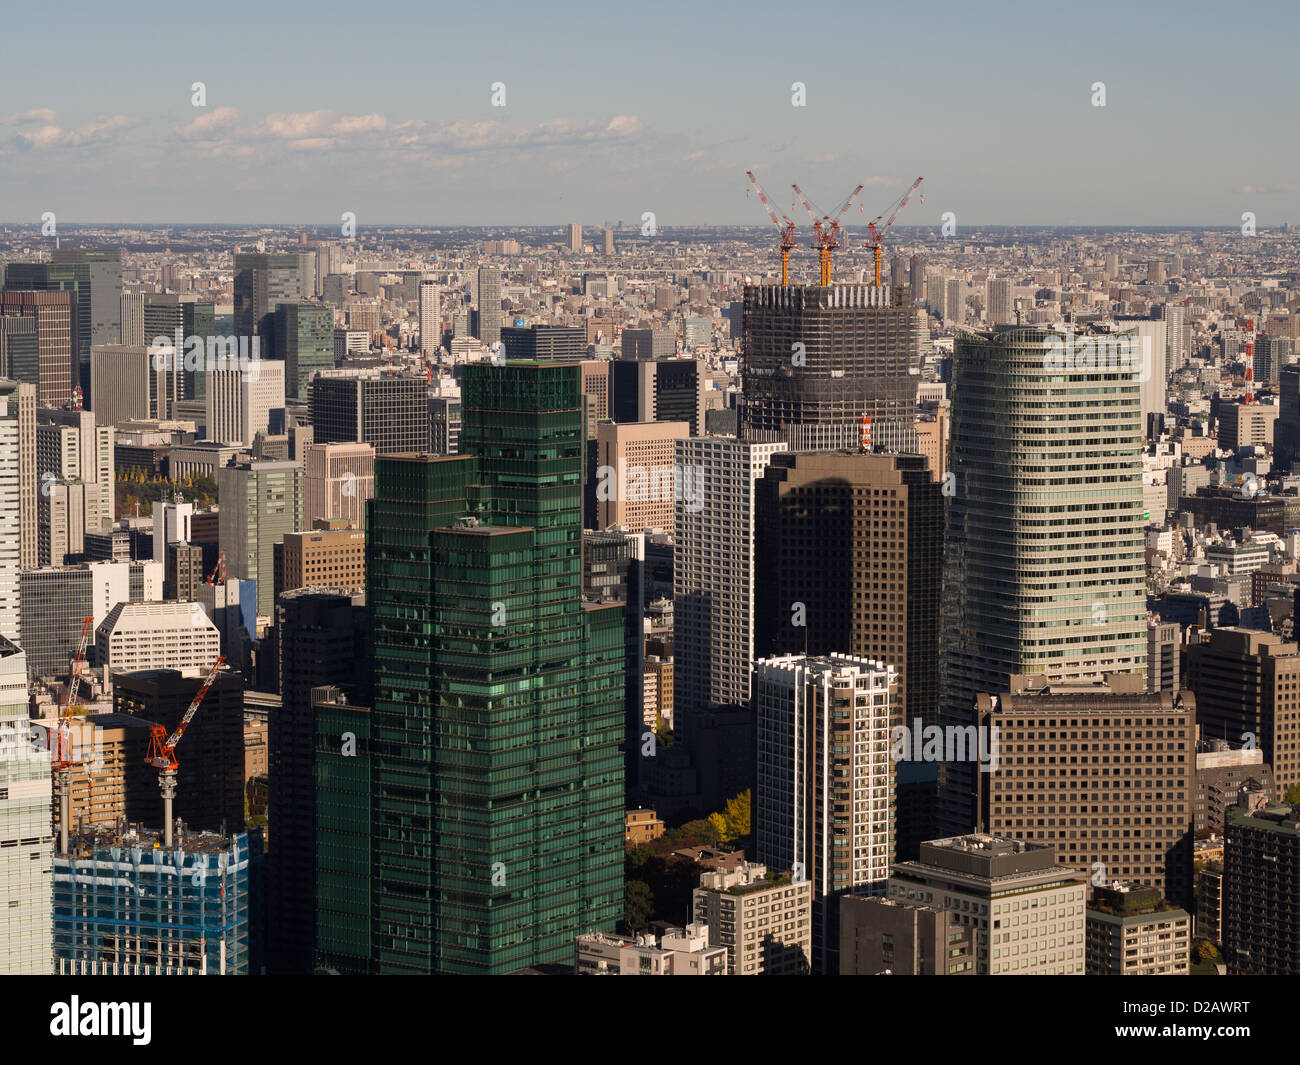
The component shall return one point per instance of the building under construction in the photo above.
(126, 905)
(821, 358)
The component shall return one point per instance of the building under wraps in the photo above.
(124, 905)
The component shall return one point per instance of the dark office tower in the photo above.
(55, 347)
(658, 390)
(388, 411)
(498, 713)
(613, 570)
(164, 313)
(850, 550)
(1044, 558)
(303, 336)
(319, 639)
(918, 278)
(1247, 687)
(1261, 878)
(489, 305)
(820, 359)
(19, 348)
(210, 784)
(74, 279)
(1286, 432)
(1135, 769)
(105, 289)
(343, 798)
(262, 281)
(545, 343)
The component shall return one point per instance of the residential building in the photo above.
(1132, 931)
(764, 921)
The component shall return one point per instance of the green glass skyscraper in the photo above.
(496, 761)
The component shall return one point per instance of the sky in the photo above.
(614, 110)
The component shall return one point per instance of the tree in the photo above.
(720, 826)
(638, 906)
(737, 812)
(1293, 794)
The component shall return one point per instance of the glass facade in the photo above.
(497, 769)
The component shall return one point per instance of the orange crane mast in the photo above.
(162, 751)
(786, 231)
(826, 228)
(876, 233)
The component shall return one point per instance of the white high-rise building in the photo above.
(10, 522)
(240, 402)
(71, 447)
(713, 570)
(430, 318)
(26, 834)
(135, 636)
(1175, 337)
(172, 521)
(825, 788)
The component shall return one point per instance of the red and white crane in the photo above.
(786, 231)
(826, 228)
(162, 751)
(876, 233)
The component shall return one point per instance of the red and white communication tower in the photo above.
(864, 434)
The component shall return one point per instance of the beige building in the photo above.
(642, 826)
(1026, 912)
(1132, 931)
(595, 386)
(932, 441)
(322, 557)
(338, 480)
(636, 479)
(1105, 773)
(657, 691)
(765, 922)
(1246, 425)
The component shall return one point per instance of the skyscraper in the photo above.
(321, 642)
(1044, 565)
(388, 411)
(27, 279)
(10, 507)
(260, 502)
(825, 792)
(338, 480)
(303, 336)
(609, 241)
(105, 289)
(497, 830)
(820, 359)
(430, 318)
(51, 315)
(575, 237)
(489, 305)
(26, 833)
(998, 308)
(715, 572)
(262, 281)
(241, 403)
(70, 446)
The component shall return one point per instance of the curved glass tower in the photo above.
(1044, 569)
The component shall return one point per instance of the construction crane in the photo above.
(219, 570)
(61, 760)
(786, 231)
(826, 229)
(162, 751)
(876, 233)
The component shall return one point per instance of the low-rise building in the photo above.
(681, 952)
(1132, 931)
(764, 921)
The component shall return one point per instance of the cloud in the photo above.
(38, 131)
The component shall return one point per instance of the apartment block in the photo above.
(764, 921)
(1132, 931)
